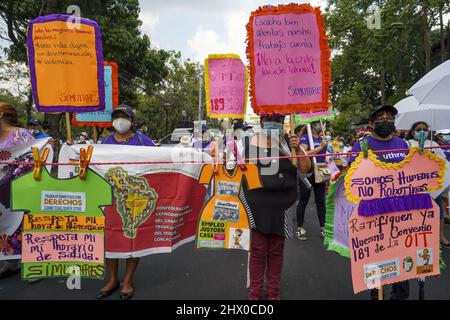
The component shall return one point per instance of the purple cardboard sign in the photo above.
(66, 64)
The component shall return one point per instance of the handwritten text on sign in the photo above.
(287, 59)
(417, 176)
(43, 222)
(60, 246)
(393, 247)
(63, 55)
(227, 86)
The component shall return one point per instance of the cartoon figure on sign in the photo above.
(135, 199)
(237, 237)
(425, 261)
(426, 257)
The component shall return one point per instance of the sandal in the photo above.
(106, 293)
(126, 296)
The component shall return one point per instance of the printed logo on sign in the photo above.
(226, 211)
(135, 199)
(408, 264)
(378, 271)
(228, 188)
(424, 260)
(211, 244)
(52, 201)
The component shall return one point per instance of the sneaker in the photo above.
(301, 233)
(322, 233)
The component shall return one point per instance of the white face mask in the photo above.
(122, 125)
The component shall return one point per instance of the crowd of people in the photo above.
(286, 192)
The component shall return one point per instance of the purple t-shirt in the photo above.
(447, 153)
(138, 139)
(317, 141)
(390, 157)
(16, 137)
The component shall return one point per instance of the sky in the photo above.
(199, 27)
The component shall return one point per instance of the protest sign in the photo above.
(223, 221)
(66, 64)
(313, 116)
(65, 225)
(338, 211)
(226, 86)
(156, 206)
(102, 118)
(11, 222)
(394, 231)
(290, 68)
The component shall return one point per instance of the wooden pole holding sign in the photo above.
(95, 134)
(68, 128)
(380, 293)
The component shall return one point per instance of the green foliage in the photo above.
(371, 64)
(178, 92)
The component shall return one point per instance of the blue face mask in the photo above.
(35, 132)
(420, 134)
(273, 126)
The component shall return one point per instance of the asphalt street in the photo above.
(309, 272)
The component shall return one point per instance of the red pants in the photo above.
(265, 251)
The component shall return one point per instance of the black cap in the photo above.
(34, 122)
(386, 108)
(125, 109)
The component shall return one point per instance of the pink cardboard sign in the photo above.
(289, 59)
(226, 83)
(394, 230)
(372, 179)
(393, 247)
(62, 246)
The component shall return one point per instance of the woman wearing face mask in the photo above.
(414, 134)
(269, 207)
(122, 118)
(382, 120)
(320, 147)
(11, 135)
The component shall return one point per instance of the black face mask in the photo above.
(384, 129)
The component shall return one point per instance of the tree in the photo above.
(141, 68)
(373, 66)
(177, 93)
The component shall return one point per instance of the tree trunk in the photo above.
(29, 104)
(426, 36)
(383, 85)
